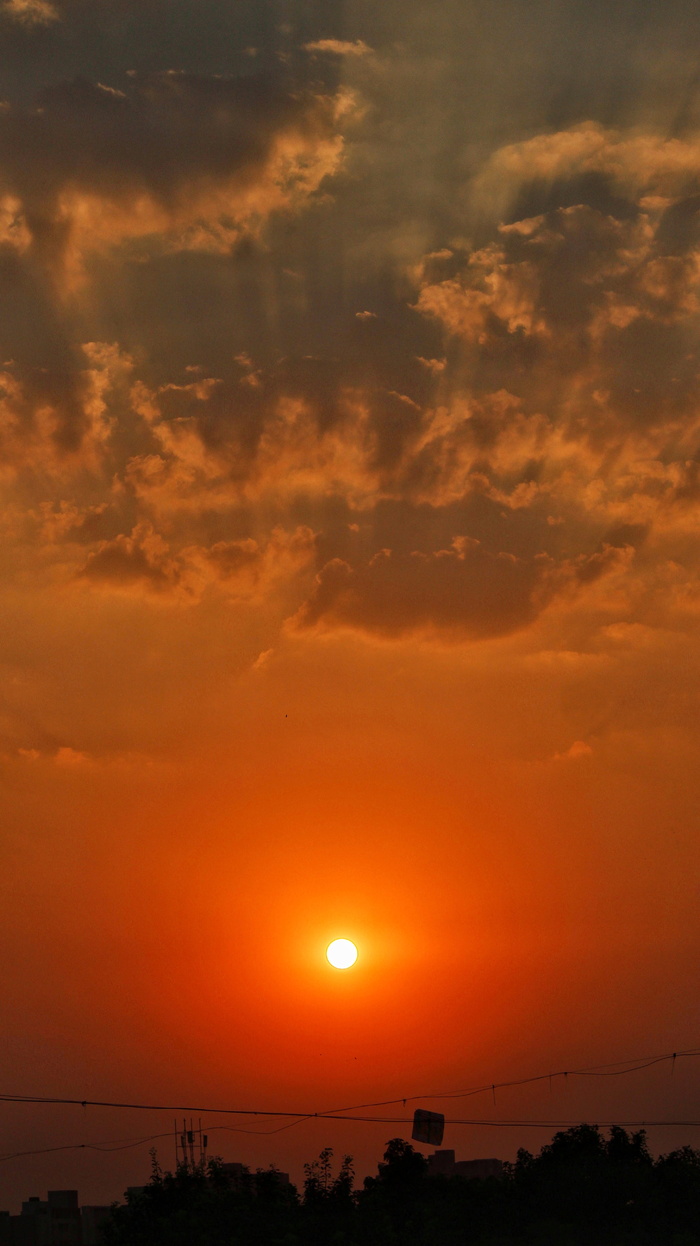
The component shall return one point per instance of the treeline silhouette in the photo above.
(583, 1189)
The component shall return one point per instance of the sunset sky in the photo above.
(349, 579)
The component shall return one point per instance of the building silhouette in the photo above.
(443, 1163)
(58, 1220)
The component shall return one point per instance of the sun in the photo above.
(341, 953)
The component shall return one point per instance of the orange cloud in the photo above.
(645, 166)
(465, 591)
(31, 12)
(248, 569)
(141, 559)
(181, 163)
(339, 47)
(58, 420)
(577, 750)
(588, 322)
(554, 468)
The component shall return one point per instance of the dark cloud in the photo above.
(464, 590)
(514, 417)
(582, 315)
(177, 163)
(596, 189)
(104, 41)
(338, 47)
(245, 568)
(204, 156)
(31, 12)
(141, 559)
(679, 227)
(48, 402)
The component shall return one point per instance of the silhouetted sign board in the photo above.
(428, 1127)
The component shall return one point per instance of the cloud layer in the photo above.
(541, 451)
(178, 161)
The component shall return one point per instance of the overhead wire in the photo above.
(618, 1069)
(384, 1120)
(615, 1069)
(87, 1146)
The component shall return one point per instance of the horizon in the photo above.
(510, 1135)
(205, 1156)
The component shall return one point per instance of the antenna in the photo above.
(190, 1146)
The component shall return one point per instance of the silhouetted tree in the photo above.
(392, 1202)
(329, 1203)
(204, 1206)
(676, 1195)
(583, 1189)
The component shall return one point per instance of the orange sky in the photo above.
(349, 438)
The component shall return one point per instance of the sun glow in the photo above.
(341, 953)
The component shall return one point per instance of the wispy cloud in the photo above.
(31, 12)
(338, 47)
(185, 162)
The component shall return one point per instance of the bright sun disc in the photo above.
(341, 953)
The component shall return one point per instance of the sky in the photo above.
(350, 479)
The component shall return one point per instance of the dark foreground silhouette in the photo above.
(583, 1189)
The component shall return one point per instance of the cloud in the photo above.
(465, 590)
(31, 12)
(66, 758)
(434, 366)
(141, 559)
(365, 315)
(57, 420)
(70, 757)
(634, 164)
(540, 454)
(180, 162)
(576, 752)
(245, 568)
(301, 431)
(588, 323)
(338, 47)
(252, 569)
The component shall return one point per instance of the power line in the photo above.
(610, 1070)
(87, 1146)
(510, 1124)
(595, 1070)
(382, 1120)
(616, 1069)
